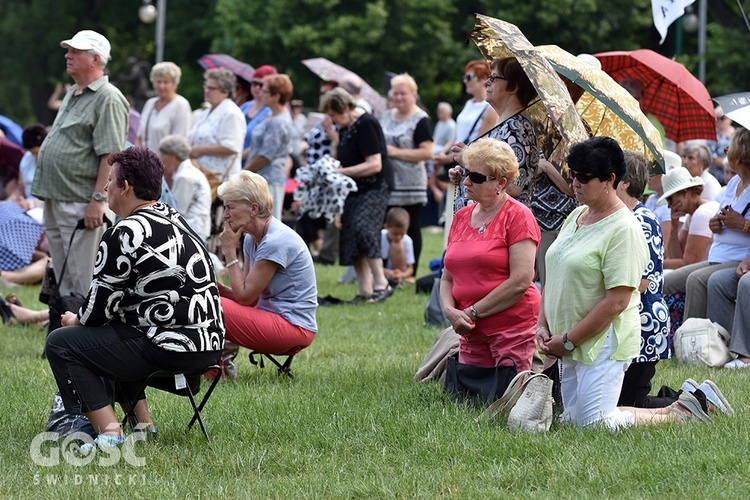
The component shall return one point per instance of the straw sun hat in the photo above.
(676, 180)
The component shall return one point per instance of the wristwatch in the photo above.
(567, 344)
(98, 197)
(473, 312)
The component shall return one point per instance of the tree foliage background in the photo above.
(370, 37)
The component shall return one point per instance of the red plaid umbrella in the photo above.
(330, 71)
(239, 68)
(670, 92)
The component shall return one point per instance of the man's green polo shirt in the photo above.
(87, 126)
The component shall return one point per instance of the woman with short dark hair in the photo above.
(589, 318)
(153, 303)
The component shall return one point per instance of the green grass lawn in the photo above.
(352, 423)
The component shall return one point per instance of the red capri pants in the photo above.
(263, 331)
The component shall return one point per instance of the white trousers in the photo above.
(590, 392)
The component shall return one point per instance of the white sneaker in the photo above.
(716, 397)
(103, 441)
(689, 385)
(737, 363)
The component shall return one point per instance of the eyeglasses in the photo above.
(476, 177)
(492, 78)
(581, 177)
(265, 91)
(210, 88)
(468, 77)
(726, 150)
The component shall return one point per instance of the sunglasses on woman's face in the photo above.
(476, 177)
(468, 77)
(581, 177)
(256, 83)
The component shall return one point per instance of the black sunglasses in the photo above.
(469, 77)
(581, 177)
(476, 177)
(492, 78)
(256, 83)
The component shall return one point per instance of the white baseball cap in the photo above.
(89, 40)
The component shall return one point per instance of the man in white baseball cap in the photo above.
(89, 40)
(72, 168)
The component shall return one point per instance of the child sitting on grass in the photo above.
(397, 247)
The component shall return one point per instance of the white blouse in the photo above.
(174, 118)
(225, 126)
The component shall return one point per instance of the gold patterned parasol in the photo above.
(497, 39)
(607, 108)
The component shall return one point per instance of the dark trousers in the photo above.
(88, 360)
(637, 385)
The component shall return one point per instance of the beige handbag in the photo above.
(527, 401)
(700, 341)
(533, 410)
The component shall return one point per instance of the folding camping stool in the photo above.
(256, 358)
(186, 384)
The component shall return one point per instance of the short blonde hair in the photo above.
(406, 80)
(496, 155)
(166, 70)
(248, 187)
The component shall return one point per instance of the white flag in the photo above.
(666, 12)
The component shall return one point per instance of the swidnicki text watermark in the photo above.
(89, 479)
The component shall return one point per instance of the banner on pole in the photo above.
(666, 12)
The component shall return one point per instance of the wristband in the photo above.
(746, 227)
(230, 264)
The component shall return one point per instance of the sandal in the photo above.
(360, 298)
(6, 313)
(13, 299)
(381, 295)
